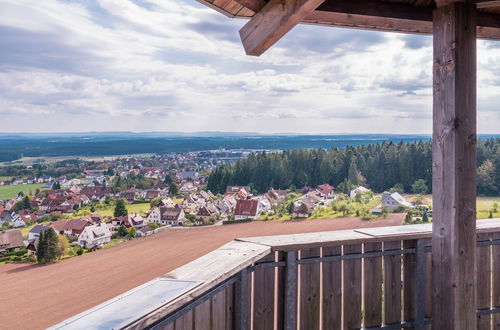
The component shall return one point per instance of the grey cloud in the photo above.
(216, 29)
(413, 41)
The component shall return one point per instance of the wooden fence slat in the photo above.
(230, 306)
(219, 310)
(280, 291)
(263, 302)
(392, 284)
(309, 296)
(496, 280)
(202, 318)
(170, 326)
(409, 282)
(428, 283)
(332, 290)
(185, 322)
(483, 288)
(352, 288)
(372, 287)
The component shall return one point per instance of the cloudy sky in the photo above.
(175, 65)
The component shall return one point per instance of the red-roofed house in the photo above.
(246, 209)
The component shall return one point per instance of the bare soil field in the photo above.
(35, 297)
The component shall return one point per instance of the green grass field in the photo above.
(11, 191)
(140, 208)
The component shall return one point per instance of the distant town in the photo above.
(89, 205)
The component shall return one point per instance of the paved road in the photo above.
(35, 297)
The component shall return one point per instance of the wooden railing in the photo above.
(378, 278)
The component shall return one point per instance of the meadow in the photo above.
(11, 191)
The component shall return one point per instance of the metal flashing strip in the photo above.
(130, 306)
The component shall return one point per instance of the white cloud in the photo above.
(176, 65)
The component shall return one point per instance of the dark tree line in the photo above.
(379, 166)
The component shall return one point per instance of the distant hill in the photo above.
(14, 146)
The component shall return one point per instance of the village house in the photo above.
(75, 227)
(239, 192)
(303, 208)
(35, 232)
(247, 209)
(226, 205)
(358, 190)
(11, 240)
(206, 213)
(132, 220)
(326, 191)
(94, 236)
(145, 231)
(392, 201)
(173, 216)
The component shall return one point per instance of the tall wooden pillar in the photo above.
(454, 167)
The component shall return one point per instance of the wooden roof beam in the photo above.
(253, 5)
(487, 4)
(272, 22)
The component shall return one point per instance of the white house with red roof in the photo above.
(247, 209)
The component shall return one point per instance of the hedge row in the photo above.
(230, 222)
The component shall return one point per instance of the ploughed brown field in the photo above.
(35, 297)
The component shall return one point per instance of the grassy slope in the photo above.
(8, 192)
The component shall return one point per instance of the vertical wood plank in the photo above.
(454, 167)
(483, 281)
(185, 322)
(352, 289)
(263, 302)
(202, 317)
(392, 284)
(280, 292)
(170, 326)
(496, 280)
(309, 296)
(332, 290)
(409, 282)
(230, 305)
(218, 311)
(372, 278)
(428, 283)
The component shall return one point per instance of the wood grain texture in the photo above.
(185, 322)
(219, 310)
(496, 280)
(332, 290)
(373, 280)
(309, 295)
(202, 316)
(352, 289)
(409, 282)
(454, 167)
(483, 257)
(263, 297)
(272, 22)
(392, 284)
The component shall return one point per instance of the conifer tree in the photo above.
(120, 208)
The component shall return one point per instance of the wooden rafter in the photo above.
(272, 22)
(254, 5)
(487, 4)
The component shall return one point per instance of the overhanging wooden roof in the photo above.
(407, 16)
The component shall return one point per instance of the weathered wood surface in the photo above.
(212, 269)
(272, 22)
(409, 282)
(309, 296)
(372, 278)
(496, 280)
(185, 322)
(483, 281)
(280, 292)
(263, 297)
(454, 167)
(428, 283)
(391, 16)
(332, 290)
(352, 289)
(202, 316)
(392, 284)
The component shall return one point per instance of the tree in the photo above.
(56, 186)
(168, 180)
(48, 249)
(494, 207)
(353, 174)
(419, 187)
(408, 218)
(20, 194)
(153, 225)
(62, 245)
(486, 178)
(24, 204)
(425, 217)
(120, 208)
(132, 232)
(122, 231)
(173, 189)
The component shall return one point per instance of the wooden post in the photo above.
(454, 167)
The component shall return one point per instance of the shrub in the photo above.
(79, 252)
(230, 222)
